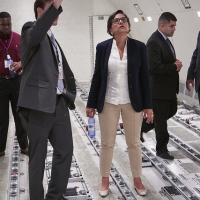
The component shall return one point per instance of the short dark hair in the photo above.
(4, 15)
(40, 4)
(109, 23)
(167, 16)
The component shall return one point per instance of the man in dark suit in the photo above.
(164, 80)
(47, 90)
(194, 70)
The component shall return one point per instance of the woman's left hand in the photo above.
(148, 114)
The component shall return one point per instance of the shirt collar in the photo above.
(4, 37)
(164, 36)
(49, 32)
(114, 46)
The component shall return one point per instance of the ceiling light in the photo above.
(198, 13)
(186, 3)
(136, 20)
(137, 7)
(149, 18)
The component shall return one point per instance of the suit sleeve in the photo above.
(144, 80)
(192, 67)
(96, 81)
(156, 64)
(34, 33)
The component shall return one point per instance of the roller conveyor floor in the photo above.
(185, 168)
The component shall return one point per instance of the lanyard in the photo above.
(8, 44)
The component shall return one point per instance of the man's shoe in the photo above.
(2, 153)
(24, 151)
(166, 155)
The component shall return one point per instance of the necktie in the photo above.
(60, 80)
(170, 46)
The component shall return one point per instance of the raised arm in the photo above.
(33, 33)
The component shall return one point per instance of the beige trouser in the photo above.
(108, 120)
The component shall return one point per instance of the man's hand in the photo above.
(15, 66)
(188, 83)
(57, 3)
(178, 64)
(148, 115)
(90, 112)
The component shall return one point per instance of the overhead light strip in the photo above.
(149, 18)
(186, 4)
(137, 7)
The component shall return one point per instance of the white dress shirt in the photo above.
(117, 82)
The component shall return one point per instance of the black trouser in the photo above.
(56, 127)
(163, 110)
(199, 95)
(9, 92)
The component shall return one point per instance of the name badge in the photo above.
(6, 65)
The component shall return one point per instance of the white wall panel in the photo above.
(20, 12)
(103, 7)
(73, 29)
(99, 31)
(73, 34)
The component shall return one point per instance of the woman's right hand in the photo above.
(90, 112)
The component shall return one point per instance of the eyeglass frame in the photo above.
(112, 16)
(122, 19)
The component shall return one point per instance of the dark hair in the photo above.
(40, 4)
(109, 23)
(167, 16)
(4, 15)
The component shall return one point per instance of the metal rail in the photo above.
(14, 180)
(182, 192)
(77, 187)
(170, 176)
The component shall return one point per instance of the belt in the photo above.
(8, 76)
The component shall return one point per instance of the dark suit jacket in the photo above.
(138, 76)
(40, 68)
(164, 78)
(194, 68)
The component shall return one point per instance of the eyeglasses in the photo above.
(117, 20)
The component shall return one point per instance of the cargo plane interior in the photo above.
(81, 26)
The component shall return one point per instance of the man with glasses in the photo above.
(47, 90)
(10, 83)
